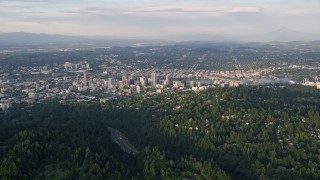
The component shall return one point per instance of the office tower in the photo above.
(124, 80)
(143, 81)
(120, 84)
(191, 83)
(67, 65)
(138, 89)
(110, 83)
(130, 80)
(88, 66)
(125, 83)
(167, 81)
(153, 79)
(85, 76)
(37, 86)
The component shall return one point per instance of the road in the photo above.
(122, 141)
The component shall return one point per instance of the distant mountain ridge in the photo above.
(283, 34)
(286, 34)
(25, 38)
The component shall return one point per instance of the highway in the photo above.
(122, 141)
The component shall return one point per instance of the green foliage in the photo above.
(238, 133)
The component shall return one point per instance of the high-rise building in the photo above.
(124, 80)
(199, 83)
(148, 81)
(167, 81)
(153, 79)
(191, 84)
(130, 80)
(85, 76)
(143, 81)
(120, 84)
(37, 86)
(138, 89)
(110, 83)
(67, 65)
(125, 83)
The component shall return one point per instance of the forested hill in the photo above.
(228, 133)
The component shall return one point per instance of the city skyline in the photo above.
(149, 18)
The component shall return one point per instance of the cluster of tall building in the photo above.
(128, 80)
(129, 83)
(143, 81)
(72, 66)
(314, 81)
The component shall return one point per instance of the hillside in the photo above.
(228, 133)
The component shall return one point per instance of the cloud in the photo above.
(302, 11)
(13, 5)
(91, 10)
(244, 9)
(232, 9)
(157, 17)
(174, 12)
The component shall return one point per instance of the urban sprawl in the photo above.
(78, 82)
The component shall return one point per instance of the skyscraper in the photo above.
(191, 83)
(199, 83)
(110, 83)
(153, 79)
(143, 81)
(67, 65)
(138, 89)
(167, 81)
(124, 80)
(130, 80)
(85, 76)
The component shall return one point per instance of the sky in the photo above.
(151, 18)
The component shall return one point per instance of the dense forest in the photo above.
(222, 133)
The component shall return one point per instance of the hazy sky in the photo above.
(157, 18)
